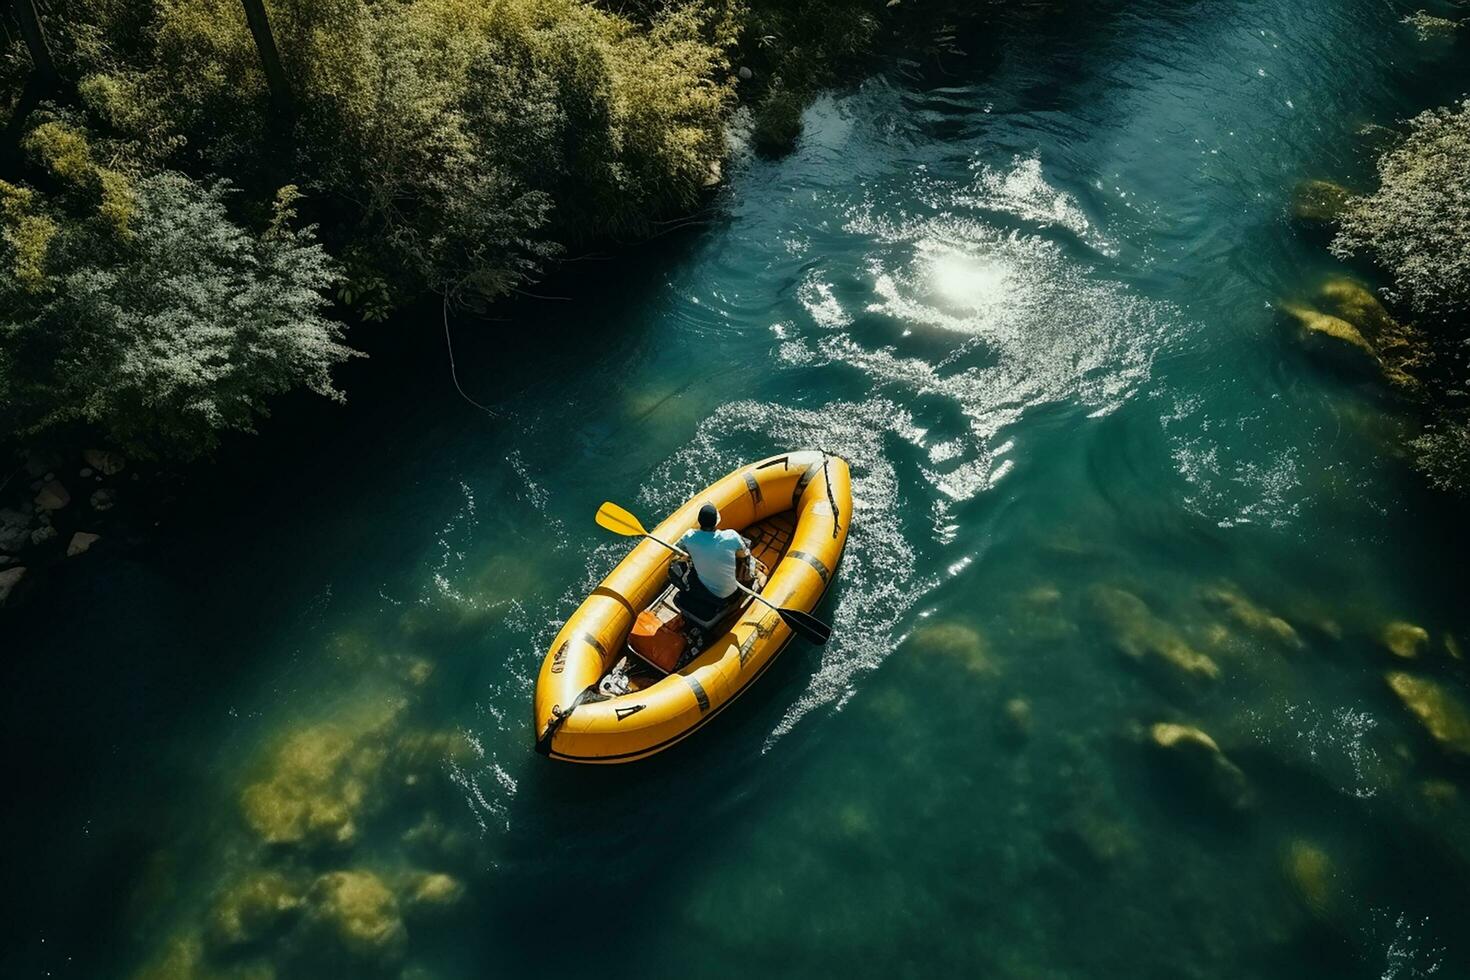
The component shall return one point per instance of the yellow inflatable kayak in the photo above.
(601, 700)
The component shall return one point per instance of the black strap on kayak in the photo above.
(559, 717)
(827, 479)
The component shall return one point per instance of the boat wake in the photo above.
(957, 323)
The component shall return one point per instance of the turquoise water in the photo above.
(1099, 485)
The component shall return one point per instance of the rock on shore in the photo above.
(80, 542)
(9, 579)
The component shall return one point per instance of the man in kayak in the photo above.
(718, 558)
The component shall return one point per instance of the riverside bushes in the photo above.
(1417, 226)
(457, 141)
(1417, 223)
(135, 306)
(452, 145)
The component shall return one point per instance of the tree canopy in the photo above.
(153, 291)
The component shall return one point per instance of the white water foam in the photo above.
(1338, 742)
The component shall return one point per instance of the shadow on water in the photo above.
(629, 839)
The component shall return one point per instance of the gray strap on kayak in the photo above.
(801, 484)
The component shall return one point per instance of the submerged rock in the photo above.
(250, 909)
(1017, 713)
(1439, 793)
(1404, 639)
(1442, 715)
(15, 529)
(1196, 754)
(416, 671)
(1253, 618)
(1042, 596)
(1452, 647)
(105, 461)
(184, 958)
(1091, 840)
(419, 751)
(1142, 636)
(1318, 201)
(360, 913)
(1349, 312)
(431, 840)
(444, 619)
(1327, 325)
(957, 642)
(1312, 877)
(431, 891)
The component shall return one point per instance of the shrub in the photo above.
(457, 141)
(1417, 223)
(1442, 453)
(162, 333)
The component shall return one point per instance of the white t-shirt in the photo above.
(714, 554)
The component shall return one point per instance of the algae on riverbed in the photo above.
(1142, 636)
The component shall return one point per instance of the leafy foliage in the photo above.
(1442, 453)
(162, 332)
(450, 144)
(777, 122)
(1417, 224)
(458, 142)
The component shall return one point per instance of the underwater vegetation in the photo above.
(1442, 713)
(1345, 310)
(959, 643)
(1146, 638)
(338, 849)
(1196, 756)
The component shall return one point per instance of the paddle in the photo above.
(619, 521)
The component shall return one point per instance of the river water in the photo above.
(1099, 485)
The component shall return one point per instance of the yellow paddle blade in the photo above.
(618, 521)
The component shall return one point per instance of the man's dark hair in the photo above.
(709, 516)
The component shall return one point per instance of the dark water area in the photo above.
(1100, 485)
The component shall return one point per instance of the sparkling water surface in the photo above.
(1030, 295)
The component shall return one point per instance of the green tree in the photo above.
(160, 330)
(458, 142)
